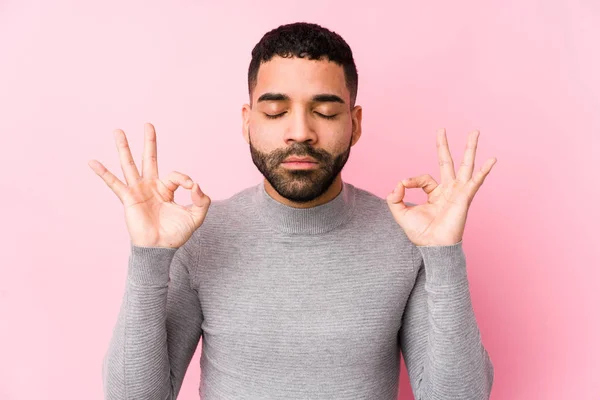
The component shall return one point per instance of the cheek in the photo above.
(337, 137)
(263, 137)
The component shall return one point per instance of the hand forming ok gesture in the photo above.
(441, 221)
(153, 218)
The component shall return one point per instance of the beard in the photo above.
(299, 185)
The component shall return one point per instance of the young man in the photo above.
(303, 286)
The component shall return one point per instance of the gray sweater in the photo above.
(298, 304)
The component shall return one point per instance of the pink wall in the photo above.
(526, 74)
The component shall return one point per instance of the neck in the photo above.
(330, 194)
(305, 221)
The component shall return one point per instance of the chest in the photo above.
(316, 300)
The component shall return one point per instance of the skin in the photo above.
(153, 218)
(296, 81)
(441, 220)
(301, 92)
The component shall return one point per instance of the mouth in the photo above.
(299, 159)
(300, 163)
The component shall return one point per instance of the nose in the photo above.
(300, 129)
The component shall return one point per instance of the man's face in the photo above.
(300, 108)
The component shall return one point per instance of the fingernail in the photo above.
(189, 182)
(395, 190)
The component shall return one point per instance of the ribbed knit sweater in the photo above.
(294, 303)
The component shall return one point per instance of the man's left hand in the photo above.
(441, 221)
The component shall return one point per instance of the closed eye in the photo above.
(273, 116)
(326, 116)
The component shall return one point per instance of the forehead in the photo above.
(300, 78)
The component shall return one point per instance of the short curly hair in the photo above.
(304, 40)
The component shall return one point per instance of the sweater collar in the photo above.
(306, 221)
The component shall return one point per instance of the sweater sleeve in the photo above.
(439, 336)
(158, 327)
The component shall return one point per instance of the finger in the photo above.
(465, 171)
(176, 179)
(127, 164)
(112, 181)
(444, 157)
(197, 194)
(200, 202)
(149, 161)
(480, 175)
(426, 182)
(395, 198)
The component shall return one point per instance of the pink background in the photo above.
(525, 73)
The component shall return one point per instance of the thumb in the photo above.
(200, 203)
(395, 198)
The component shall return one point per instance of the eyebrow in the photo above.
(318, 98)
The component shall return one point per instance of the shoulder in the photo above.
(373, 205)
(373, 211)
(240, 202)
(223, 216)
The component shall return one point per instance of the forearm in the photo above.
(456, 366)
(136, 364)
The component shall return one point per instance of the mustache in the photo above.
(299, 150)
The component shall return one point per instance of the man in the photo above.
(304, 286)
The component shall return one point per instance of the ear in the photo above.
(356, 124)
(246, 110)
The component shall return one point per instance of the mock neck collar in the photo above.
(306, 221)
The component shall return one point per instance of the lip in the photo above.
(299, 160)
(300, 163)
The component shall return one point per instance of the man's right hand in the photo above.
(153, 218)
